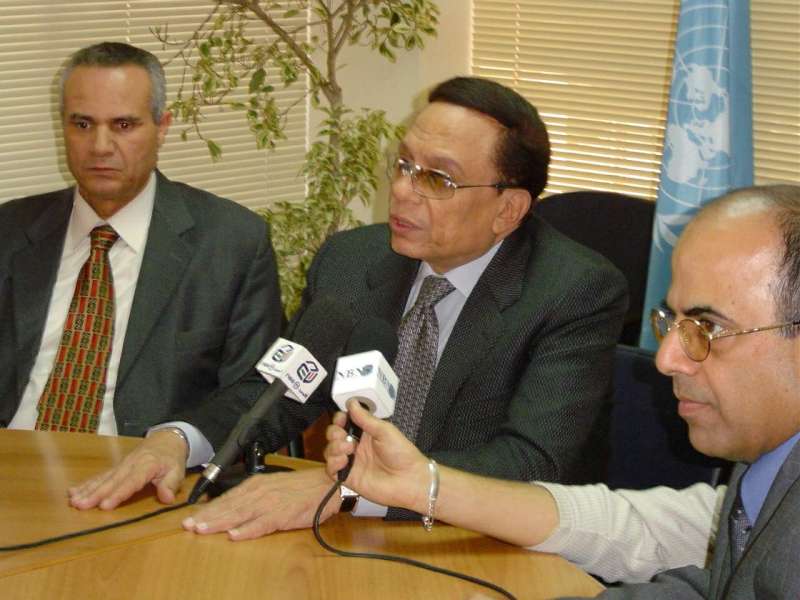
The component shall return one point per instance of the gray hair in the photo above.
(783, 202)
(117, 54)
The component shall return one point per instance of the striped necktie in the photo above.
(72, 398)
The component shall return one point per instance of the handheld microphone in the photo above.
(367, 376)
(292, 371)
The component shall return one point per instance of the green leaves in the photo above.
(257, 80)
(214, 150)
(239, 57)
(398, 24)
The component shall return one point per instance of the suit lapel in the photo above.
(33, 273)
(768, 525)
(388, 283)
(721, 563)
(167, 255)
(476, 331)
(786, 481)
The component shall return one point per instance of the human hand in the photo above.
(388, 469)
(159, 459)
(263, 504)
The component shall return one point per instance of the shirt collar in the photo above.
(465, 277)
(759, 477)
(131, 222)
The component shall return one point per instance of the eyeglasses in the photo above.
(695, 336)
(430, 183)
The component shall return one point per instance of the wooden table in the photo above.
(156, 559)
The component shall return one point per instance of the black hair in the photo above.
(522, 155)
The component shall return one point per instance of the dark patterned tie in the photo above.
(73, 396)
(740, 527)
(417, 343)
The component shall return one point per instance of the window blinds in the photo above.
(599, 72)
(36, 37)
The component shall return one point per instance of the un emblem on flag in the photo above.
(697, 144)
(697, 160)
(697, 139)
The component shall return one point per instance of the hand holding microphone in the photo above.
(365, 385)
(367, 379)
(367, 376)
(388, 469)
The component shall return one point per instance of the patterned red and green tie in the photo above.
(73, 396)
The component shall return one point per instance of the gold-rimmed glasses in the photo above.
(432, 183)
(695, 336)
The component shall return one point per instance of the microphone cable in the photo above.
(316, 528)
(83, 532)
(394, 558)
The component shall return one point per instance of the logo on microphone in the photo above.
(355, 372)
(308, 371)
(282, 353)
(387, 384)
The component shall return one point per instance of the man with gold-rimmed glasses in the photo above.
(735, 268)
(506, 328)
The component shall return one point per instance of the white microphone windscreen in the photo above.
(368, 377)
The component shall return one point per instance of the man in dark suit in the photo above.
(194, 275)
(525, 334)
(730, 339)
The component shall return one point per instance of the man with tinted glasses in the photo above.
(730, 340)
(524, 321)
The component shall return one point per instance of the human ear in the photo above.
(514, 206)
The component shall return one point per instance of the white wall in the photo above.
(369, 80)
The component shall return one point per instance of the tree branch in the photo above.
(347, 24)
(298, 51)
(193, 39)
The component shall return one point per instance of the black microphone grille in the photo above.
(372, 333)
(323, 328)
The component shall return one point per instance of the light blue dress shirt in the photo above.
(758, 479)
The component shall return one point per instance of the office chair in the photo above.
(649, 441)
(617, 226)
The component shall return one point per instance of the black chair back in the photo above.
(617, 226)
(649, 441)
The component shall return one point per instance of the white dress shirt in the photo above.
(132, 223)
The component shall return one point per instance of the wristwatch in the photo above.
(349, 499)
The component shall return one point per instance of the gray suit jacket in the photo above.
(768, 569)
(521, 387)
(207, 302)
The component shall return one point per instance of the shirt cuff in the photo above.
(200, 449)
(365, 508)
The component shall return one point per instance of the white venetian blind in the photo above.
(599, 72)
(36, 37)
(775, 41)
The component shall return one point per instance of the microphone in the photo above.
(292, 371)
(367, 376)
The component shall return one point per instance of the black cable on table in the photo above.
(392, 558)
(83, 532)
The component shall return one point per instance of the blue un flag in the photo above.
(708, 140)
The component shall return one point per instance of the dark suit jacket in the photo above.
(521, 386)
(206, 306)
(768, 569)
